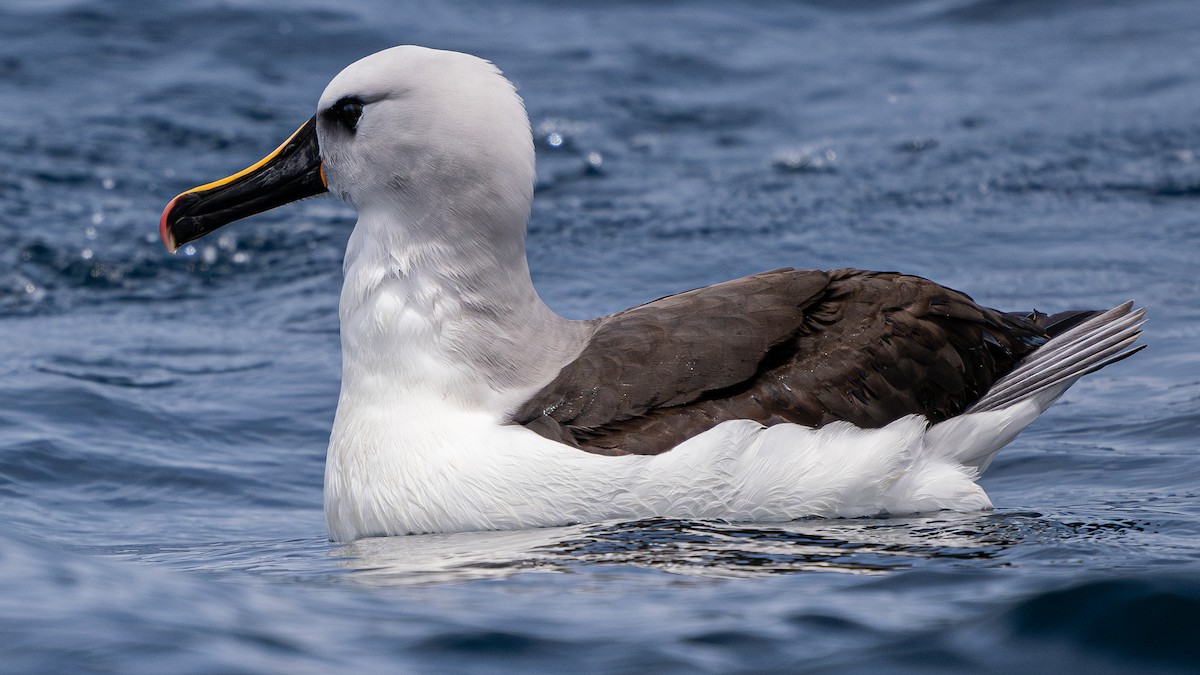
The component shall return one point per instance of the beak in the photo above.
(290, 173)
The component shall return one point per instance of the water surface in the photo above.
(163, 419)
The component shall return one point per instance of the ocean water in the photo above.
(163, 419)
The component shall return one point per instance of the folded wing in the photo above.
(807, 347)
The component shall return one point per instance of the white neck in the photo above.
(423, 312)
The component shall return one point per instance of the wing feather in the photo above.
(807, 347)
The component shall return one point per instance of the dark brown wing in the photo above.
(670, 353)
(783, 346)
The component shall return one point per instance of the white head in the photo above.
(433, 149)
(442, 140)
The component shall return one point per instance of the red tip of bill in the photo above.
(164, 230)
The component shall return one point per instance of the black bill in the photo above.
(290, 173)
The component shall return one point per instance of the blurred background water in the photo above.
(163, 418)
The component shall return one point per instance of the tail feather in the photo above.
(1086, 347)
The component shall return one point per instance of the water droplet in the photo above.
(594, 159)
(189, 250)
(810, 158)
(240, 258)
(554, 139)
(209, 255)
(108, 183)
(89, 232)
(30, 289)
(97, 218)
(86, 254)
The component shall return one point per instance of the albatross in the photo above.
(468, 404)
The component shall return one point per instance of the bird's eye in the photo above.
(346, 112)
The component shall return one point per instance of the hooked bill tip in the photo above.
(164, 226)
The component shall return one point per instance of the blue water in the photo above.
(163, 419)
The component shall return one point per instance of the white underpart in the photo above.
(443, 335)
(445, 470)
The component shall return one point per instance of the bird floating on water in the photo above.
(467, 404)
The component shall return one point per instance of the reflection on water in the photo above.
(716, 548)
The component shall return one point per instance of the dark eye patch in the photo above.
(346, 112)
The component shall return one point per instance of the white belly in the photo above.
(423, 467)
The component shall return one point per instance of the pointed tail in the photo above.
(1090, 345)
